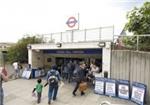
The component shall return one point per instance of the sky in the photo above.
(21, 17)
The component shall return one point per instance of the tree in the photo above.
(139, 23)
(19, 51)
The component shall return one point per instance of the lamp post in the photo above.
(4, 58)
(3, 62)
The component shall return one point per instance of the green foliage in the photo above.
(139, 23)
(139, 20)
(19, 51)
(130, 42)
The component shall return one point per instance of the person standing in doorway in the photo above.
(53, 77)
(3, 77)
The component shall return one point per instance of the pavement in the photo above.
(19, 92)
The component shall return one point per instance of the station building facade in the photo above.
(82, 45)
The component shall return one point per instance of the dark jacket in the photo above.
(81, 75)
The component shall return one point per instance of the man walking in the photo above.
(80, 78)
(70, 67)
(53, 77)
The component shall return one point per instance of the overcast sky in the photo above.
(21, 17)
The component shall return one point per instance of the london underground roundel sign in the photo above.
(71, 22)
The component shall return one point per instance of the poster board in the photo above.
(138, 93)
(110, 87)
(37, 73)
(99, 85)
(123, 89)
(26, 74)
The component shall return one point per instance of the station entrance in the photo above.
(64, 56)
(44, 56)
(60, 61)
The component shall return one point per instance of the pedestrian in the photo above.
(70, 70)
(94, 69)
(3, 77)
(80, 78)
(16, 69)
(65, 72)
(53, 79)
(38, 90)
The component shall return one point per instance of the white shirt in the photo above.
(15, 65)
(95, 70)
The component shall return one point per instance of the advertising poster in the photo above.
(123, 89)
(37, 73)
(99, 85)
(110, 87)
(138, 93)
(26, 74)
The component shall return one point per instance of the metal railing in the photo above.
(95, 34)
(132, 42)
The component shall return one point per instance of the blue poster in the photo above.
(110, 87)
(138, 93)
(99, 85)
(123, 89)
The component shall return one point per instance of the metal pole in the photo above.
(85, 35)
(61, 37)
(72, 36)
(4, 59)
(100, 33)
(78, 21)
(51, 37)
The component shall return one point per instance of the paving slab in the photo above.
(19, 92)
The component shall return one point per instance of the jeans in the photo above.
(76, 87)
(70, 75)
(65, 76)
(17, 73)
(1, 96)
(52, 93)
(39, 97)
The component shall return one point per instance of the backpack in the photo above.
(53, 79)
